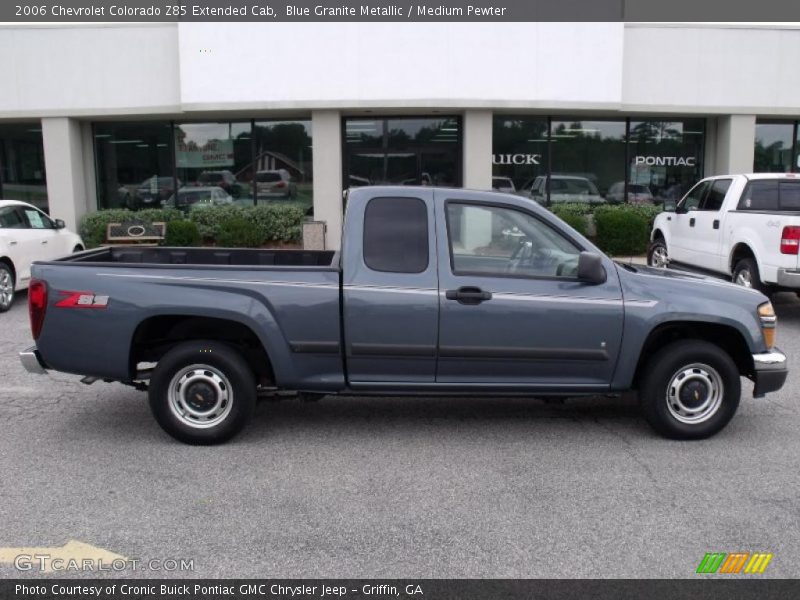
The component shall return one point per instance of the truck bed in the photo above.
(154, 256)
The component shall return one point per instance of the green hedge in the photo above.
(276, 222)
(622, 231)
(182, 233)
(573, 218)
(239, 233)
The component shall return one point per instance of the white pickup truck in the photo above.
(746, 227)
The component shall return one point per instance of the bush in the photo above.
(182, 233)
(239, 233)
(622, 229)
(209, 220)
(276, 222)
(94, 225)
(572, 218)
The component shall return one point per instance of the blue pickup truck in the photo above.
(435, 291)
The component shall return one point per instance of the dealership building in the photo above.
(127, 115)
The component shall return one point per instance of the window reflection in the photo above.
(773, 147)
(22, 174)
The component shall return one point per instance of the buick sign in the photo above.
(516, 159)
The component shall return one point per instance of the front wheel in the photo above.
(6, 287)
(202, 392)
(690, 390)
(657, 255)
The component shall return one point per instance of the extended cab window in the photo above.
(716, 195)
(396, 235)
(692, 200)
(760, 195)
(501, 241)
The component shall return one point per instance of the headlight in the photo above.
(766, 314)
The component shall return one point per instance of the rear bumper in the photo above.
(770, 372)
(32, 361)
(789, 279)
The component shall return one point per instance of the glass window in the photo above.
(760, 195)
(22, 174)
(695, 196)
(37, 220)
(283, 163)
(588, 159)
(519, 152)
(773, 147)
(134, 164)
(11, 218)
(716, 195)
(666, 159)
(493, 240)
(214, 155)
(790, 195)
(402, 151)
(396, 235)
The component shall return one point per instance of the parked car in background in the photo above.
(435, 291)
(746, 227)
(153, 192)
(503, 184)
(222, 179)
(26, 235)
(199, 197)
(563, 188)
(275, 184)
(637, 194)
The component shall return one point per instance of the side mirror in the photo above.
(590, 268)
(60, 224)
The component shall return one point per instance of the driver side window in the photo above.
(695, 196)
(502, 241)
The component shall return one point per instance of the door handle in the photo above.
(716, 223)
(691, 222)
(44, 241)
(669, 218)
(468, 295)
(12, 243)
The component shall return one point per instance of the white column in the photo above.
(326, 131)
(735, 141)
(478, 149)
(65, 166)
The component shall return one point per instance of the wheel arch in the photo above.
(10, 264)
(739, 251)
(726, 337)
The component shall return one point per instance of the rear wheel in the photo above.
(657, 255)
(690, 390)
(202, 392)
(745, 273)
(6, 287)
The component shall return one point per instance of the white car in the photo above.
(27, 235)
(503, 184)
(192, 197)
(745, 227)
(563, 188)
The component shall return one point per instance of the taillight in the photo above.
(280, 184)
(37, 305)
(790, 240)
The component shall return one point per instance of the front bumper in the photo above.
(32, 361)
(769, 372)
(789, 279)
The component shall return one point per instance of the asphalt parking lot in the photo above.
(410, 487)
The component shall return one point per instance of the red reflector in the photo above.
(280, 184)
(37, 305)
(790, 240)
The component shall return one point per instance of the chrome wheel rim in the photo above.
(200, 396)
(695, 393)
(744, 278)
(659, 257)
(6, 289)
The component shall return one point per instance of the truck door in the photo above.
(390, 288)
(513, 313)
(683, 232)
(707, 227)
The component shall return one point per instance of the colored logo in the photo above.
(735, 562)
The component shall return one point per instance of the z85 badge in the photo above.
(82, 300)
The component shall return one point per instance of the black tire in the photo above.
(658, 245)
(663, 410)
(227, 367)
(746, 269)
(7, 284)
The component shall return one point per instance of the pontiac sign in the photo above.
(665, 161)
(516, 159)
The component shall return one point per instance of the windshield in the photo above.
(267, 177)
(572, 186)
(194, 196)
